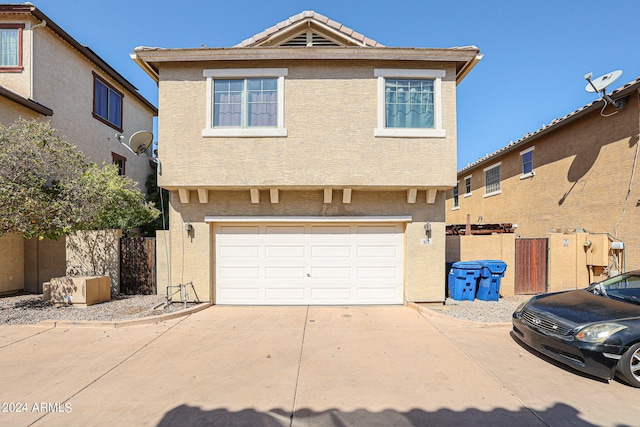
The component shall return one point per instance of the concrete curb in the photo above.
(124, 323)
(470, 323)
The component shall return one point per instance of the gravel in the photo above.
(480, 311)
(30, 309)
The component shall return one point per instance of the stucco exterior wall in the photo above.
(20, 82)
(43, 260)
(10, 111)
(192, 255)
(584, 179)
(330, 115)
(95, 253)
(63, 81)
(11, 266)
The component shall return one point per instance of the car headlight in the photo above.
(599, 333)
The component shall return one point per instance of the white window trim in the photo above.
(532, 173)
(211, 74)
(436, 75)
(493, 166)
(465, 186)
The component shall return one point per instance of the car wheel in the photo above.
(629, 365)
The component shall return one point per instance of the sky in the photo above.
(536, 53)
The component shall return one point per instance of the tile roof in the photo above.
(309, 15)
(621, 92)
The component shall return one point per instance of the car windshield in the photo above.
(624, 287)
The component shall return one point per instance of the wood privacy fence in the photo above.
(138, 266)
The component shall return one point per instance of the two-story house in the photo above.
(572, 183)
(46, 74)
(307, 165)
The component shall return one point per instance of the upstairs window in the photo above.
(467, 186)
(492, 180)
(409, 103)
(107, 103)
(11, 47)
(456, 201)
(245, 102)
(527, 162)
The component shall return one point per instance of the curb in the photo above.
(124, 323)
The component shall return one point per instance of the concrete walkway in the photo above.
(300, 366)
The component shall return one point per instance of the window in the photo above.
(107, 103)
(456, 202)
(527, 163)
(119, 161)
(245, 102)
(467, 186)
(11, 47)
(409, 103)
(492, 180)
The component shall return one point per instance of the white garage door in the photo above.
(309, 264)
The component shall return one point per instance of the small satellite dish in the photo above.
(140, 141)
(601, 83)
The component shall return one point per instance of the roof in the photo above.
(555, 124)
(307, 36)
(25, 102)
(82, 49)
(308, 19)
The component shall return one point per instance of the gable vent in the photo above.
(309, 39)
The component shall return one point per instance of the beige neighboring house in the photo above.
(46, 74)
(307, 165)
(573, 183)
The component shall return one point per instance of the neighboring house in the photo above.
(576, 176)
(307, 165)
(46, 74)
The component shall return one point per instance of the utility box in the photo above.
(82, 291)
(598, 250)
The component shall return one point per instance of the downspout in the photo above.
(41, 24)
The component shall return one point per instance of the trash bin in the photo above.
(489, 280)
(463, 280)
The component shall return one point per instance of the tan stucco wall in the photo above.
(10, 111)
(11, 265)
(20, 82)
(583, 173)
(330, 115)
(192, 255)
(163, 256)
(499, 247)
(43, 259)
(95, 253)
(63, 82)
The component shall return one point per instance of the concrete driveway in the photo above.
(300, 366)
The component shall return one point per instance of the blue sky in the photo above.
(536, 53)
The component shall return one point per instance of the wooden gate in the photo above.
(531, 266)
(138, 265)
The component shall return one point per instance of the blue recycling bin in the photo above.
(491, 272)
(463, 280)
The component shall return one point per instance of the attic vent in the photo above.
(309, 39)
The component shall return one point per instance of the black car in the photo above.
(594, 330)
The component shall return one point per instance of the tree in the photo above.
(160, 200)
(48, 189)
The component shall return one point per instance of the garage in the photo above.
(315, 262)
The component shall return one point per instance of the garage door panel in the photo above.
(306, 264)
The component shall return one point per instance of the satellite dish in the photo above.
(601, 83)
(140, 141)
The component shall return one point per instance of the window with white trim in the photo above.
(409, 103)
(527, 162)
(245, 102)
(492, 180)
(467, 186)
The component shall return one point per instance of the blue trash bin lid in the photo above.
(495, 266)
(467, 265)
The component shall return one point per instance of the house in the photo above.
(46, 74)
(573, 185)
(300, 171)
